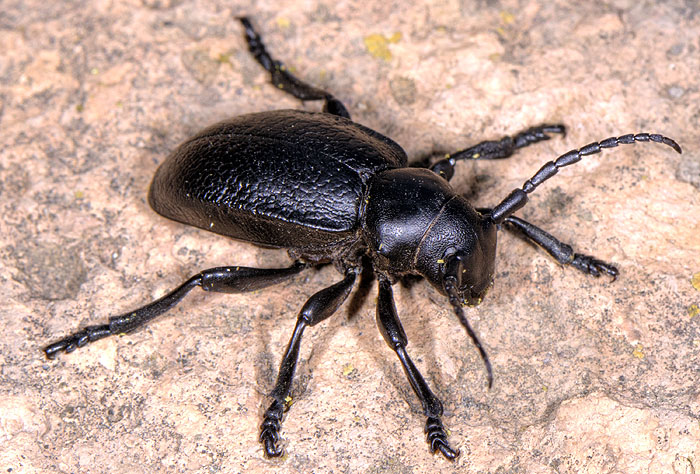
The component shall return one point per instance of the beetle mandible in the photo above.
(331, 190)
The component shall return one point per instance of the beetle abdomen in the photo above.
(283, 178)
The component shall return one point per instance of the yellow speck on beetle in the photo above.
(638, 352)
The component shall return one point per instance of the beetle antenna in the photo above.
(518, 197)
(453, 269)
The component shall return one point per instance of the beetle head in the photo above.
(459, 247)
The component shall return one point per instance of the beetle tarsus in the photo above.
(437, 438)
(270, 428)
(593, 266)
(79, 339)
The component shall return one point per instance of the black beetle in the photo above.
(330, 190)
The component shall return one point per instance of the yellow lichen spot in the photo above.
(378, 45)
(395, 38)
(476, 156)
(288, 400)
(507, 17)
(544, 388)
(693, 310)
(638, 352)
(224, 58)
(79, 108)
(79, 195)
(348, 369)
(501, 32)
(495, 57)
(282, 23)
(695, 281)
(94, 71)
(440, 261)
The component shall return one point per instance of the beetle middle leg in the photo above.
(496, 149)
(395, 337)
(283, 79)
(317, 308)
(220, 279)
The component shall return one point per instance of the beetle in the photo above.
(330, 190)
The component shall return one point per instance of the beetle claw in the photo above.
(270, 430)
(593, 266)
(437, 438)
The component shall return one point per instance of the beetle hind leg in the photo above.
(220, 279)
(317, 308)
(395, 337)
(284, 80)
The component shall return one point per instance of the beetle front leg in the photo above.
(316, 309)
(220, 279)
(284, 80)
(494, 150)
(395, 337)
(563, 253)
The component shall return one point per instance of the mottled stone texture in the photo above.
(590, 376)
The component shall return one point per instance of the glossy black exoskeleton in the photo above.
(330, 190)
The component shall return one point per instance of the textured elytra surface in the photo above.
(590, 376)
(280, 178)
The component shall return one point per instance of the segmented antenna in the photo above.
(518, 197)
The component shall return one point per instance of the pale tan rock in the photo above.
(590, 376)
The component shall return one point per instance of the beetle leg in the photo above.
(283, 79)
(494, 150)
(316, 309)
(395, 337)
(220, 279)
(563, 253)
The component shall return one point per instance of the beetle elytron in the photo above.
(330, 190)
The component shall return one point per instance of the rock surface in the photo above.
(590, 376)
